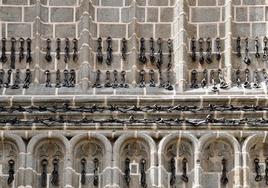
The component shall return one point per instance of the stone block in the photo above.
(152, 14)
(207, 2)
(108, 14)
(62, 14)
(19, 30)
(14, 2)
(241, 29)
(208, 30)
(258, 29)
(114, 3)
(158, 3)
(256, 14)
(163, 31)
(11, 14)
(145, 30)
(205, 14)
(166, 14)
(62, 2)
(113, 30)
(241, 14)
(253, 2)
(65, 30)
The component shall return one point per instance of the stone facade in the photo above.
(107, 135)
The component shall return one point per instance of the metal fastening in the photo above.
(97, 83)
(83, 171)
(142, 57)
(256, 81)
(11, 172)
(29, 58)
(55, 173)
(213, 81)
(127, 172)
(142, 79)
(44, 164)
(58, 49)
(204, 81)
(48, 56)
(124, 49)
(265, 76)
(12, 53)
(72, 79)
(224, 179)
(247, 83)
(257, 54)
(201, 51)
(193, 49)
(2, 74)
(246, 59)
(152, 81)
(115, 84)
(66, 78)
(99, 51)
(159, 53)
(123, 83)
(194, 83)
(67, 50)
(266, 171)
(96, 172)
(209, 51)
(28, 79)
(265, 49)
(21, 50)
(152, 56)
(218, 47)
(258, 176)
(238, 47)
(143, 174)
(223, 84)
(170, 49)
(58, 84)
(184, 176)
(108, 79)
(48, 78)
(75, 50)
(3, 56)
(7, 83)
(237, 79)
(17, 80)
(109, 51)
(173, 172)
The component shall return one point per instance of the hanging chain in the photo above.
(123, 83)
(2, 74)
(124, 49)
(29, 58)
(258, 176)
(108, 79)
(11, 171)
(142, 57)
(246, 58)
(142, 79)
(55, 173)
(209, 51)
(127, 172)
(214, 83)
(152, 56)
(48, 54)
(96, 172)
(204, 81)
(247, 83)
(67, 50)
(97, 83)
(201, 51)
(66, 78)
(218, 46)
(256, 82)
(115, 84)
(17, 80)
(21, 50)
(172, 171)
(109, 51)
(194, 83)
(143, 174)
(83, 171)
(238, 80)
(48, 78)
(152, 81)
(13, 53)
(58, 49)
(224, 179)
(257, 54)
(99, 51)
(223, 84)
(75, 50)
(28, 79)
(184, 176)
(7, 83)
(238, 47)
(3, 56)
(265, 49)
(193, 49)
(44, 164)
(72, 80)
(58, 84)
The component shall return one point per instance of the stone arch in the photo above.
(186, 147)
(255, 146)
(104, 156)
(219, 146)
(12, 147)
(142, 140)
(48, 146)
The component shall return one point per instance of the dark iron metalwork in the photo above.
(66, 78)
(11, 172)
(142, 79)
(209, 51)
(96, 172)
(127, 172)
(2, 74)
(83, 171)
(142, 57)
(193, 49)
(143, 174)
(256, 81)
(213, 81)
(124, 49)
(201, 51)
(258, 176)
(21, 49)
(72, 79)
(17, 80)
(29, 58)
(75, 50)
(28, 79)
(247, 82)
(257, 54)
(266, 171)
(58, 83)
(115, 83)
(265, 76)
(108, 79)
(152, 81)
(48, 78)
(237, 79)
(218, 49)
(224, 178)
(194, 83)
(238, 47)
(13, 53)
(48, 56)
(223, 84)
(55, 173)
(168, 85)
(97, 83)
(99, 50)
(109, 51)
(58, 49)
(7, 83)
(67, 50)
(152, 56)
(265, 49)
(44, 164)
(123, 83)
(172, 171)
(246, 59)
(184, 176)
(204, 80)
(160, 62)
(3, 56)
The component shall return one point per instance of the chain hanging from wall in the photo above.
(96, 172)
(48, 56)
(29, 58)
(17, 80)
(3, 56)
(44, 164)
(124, 49)
(11, 172)
(258, 176)
(173, 172)
(13, 54)
(127, 172)
(224, 179)
(143, 174)
(55, 173)
(142, 57)
(109, 58)
(21, 49)
(67, 50)
(83, 171)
